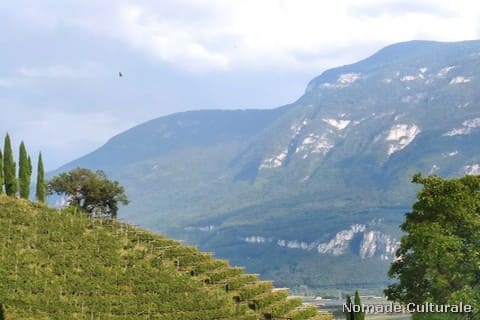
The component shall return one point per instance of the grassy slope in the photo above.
(64, 265)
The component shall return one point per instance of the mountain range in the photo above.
(310, 193)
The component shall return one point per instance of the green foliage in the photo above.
(91, 191)
(349, 315)
(30, 167)
(41, 186)
(358, 315)
(352, 314)
(59, 264)
(1, 172)
(439, 258)
(9, 168)
(24, 172)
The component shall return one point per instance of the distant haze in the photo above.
(59, 84)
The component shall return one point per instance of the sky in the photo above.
(59, 60)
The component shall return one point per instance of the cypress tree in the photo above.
(41, 186)
(9, 165)
(349, 315)
(24, 172)
(358, 315)
(1, 172)
(2, 312)
(30, 168)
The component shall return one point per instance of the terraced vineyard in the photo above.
(64, 265)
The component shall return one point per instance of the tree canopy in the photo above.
(439, 257)
(1, 172)
(24, 172)
(91, 191)
(41, 186)
(9, 178)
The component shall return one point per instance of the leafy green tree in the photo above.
(24, 172)
(9, 166)
(439, 257)
(2, 312)
(91, 191)
(41, 187)
(1, 172)
(360, 315)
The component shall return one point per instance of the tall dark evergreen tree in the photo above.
(349, 314)
(358, 315)
(24, 172)
(41, 185)
(1, 172)
(30, 168)
(9, 165)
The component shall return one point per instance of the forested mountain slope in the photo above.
(320, 184)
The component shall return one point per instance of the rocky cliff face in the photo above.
(359, 239)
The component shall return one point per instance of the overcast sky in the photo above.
(59, 60)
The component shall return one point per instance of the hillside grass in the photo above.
(63, 264)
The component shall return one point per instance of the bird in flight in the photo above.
(120, 74)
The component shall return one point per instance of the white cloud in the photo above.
(290, 34)
(59, 74)
(54, 71)
(167, 40)
(400, 7)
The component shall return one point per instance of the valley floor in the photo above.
(335, 307)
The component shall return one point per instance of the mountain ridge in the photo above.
(341, 155)
(392, 54)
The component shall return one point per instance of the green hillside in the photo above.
(62, 264)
